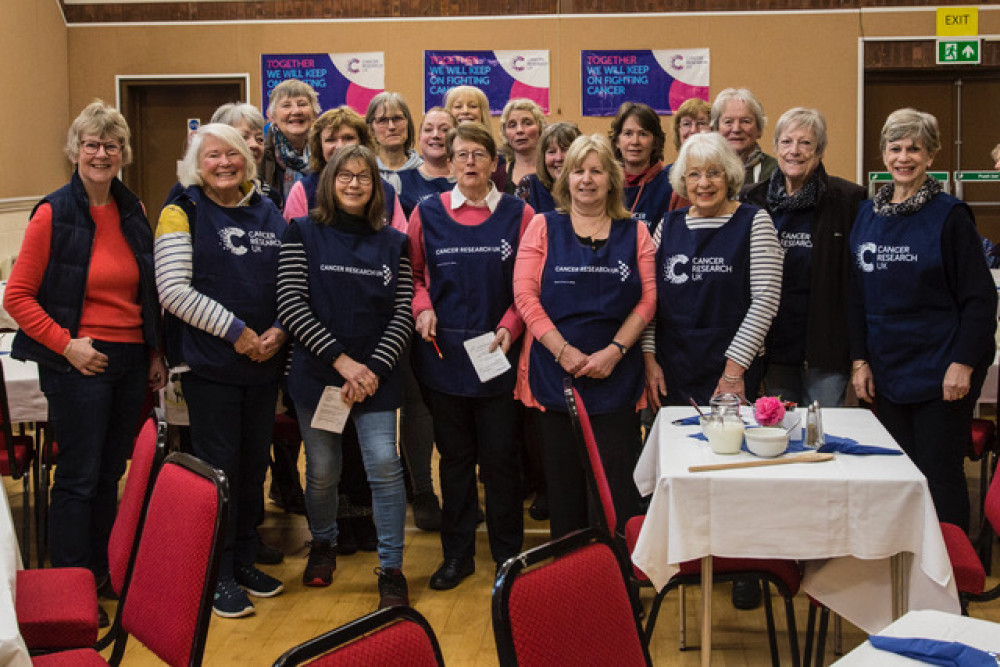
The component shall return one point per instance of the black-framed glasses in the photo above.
(93, 147)
(346, 177)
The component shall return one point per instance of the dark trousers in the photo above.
(472, 431)
(94, 420)
(935, 434)
(619, 441)
(231, 428)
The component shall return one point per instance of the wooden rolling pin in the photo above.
(810, 457)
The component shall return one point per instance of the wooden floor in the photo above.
(461, 617)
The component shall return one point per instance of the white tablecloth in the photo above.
(927, 625)
(846, 517)
(13, 652)
(26, 400)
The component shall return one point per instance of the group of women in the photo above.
(576, 256)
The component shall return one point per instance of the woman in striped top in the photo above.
(719, 267)
(344, 292)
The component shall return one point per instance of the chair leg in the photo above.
(793, 633)
(838, 635)
(654, 610)
(824, 620)
(26, 521)
(810, 629)
(772, 638)
(681, 616)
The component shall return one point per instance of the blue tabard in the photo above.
(703, 294)
(310, 183)
(352, 292)
(588, 295)
(654, 200)
(235, 262)
(911, 315)
(787, 341)
(539, 197)
(471, 272)
(414, 187)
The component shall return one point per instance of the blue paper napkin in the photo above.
(935, 652)
(841, 445)
(687, 421)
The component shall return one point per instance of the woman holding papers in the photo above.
(585, 285)
(463, 245)
(344, 291)
(922, 311)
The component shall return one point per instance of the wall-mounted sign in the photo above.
(338, 78)
(662, 79)
(502, 75)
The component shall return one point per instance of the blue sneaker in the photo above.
(257, 583)
(230, 600)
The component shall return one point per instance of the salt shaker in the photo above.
(820, 436)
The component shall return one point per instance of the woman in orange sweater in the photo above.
(83, 293)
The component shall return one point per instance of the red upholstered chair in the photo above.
(983, 447)
(16, 456)
(391, 637)
(166, 599)
(784, 575)
(970, 576)
(57, 607)
(568, 602)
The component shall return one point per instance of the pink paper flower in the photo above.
(768, 411)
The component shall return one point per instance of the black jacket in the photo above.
(826, 332)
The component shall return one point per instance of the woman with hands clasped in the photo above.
(922, 311)
(344, 292)
(216, 266)
(585, 285)
(463, 244)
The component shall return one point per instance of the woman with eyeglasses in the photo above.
(463, 244)
(83, 294)
(344, 292)
(391, 124)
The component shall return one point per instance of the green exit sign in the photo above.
(958, 51)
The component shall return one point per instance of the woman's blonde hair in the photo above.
(579, 150)
(518, 105)
(481, 99)
(336, 118)
(100, 120)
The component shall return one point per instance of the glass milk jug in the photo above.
(724, 427)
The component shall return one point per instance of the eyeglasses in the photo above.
(710, 174)
(688, 123)
(92, 148)
(395, 120)
(477, 156)
(346, 177)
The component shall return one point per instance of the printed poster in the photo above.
(502, 75)
(661, 79)
(338, 78)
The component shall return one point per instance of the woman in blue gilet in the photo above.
(922, 311)
(216, 256)
(584, 284)
(344, 291)
(718, 283)
(536, 189)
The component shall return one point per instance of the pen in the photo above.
(435, 343)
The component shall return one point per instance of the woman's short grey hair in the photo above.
(738, 95)
(908, 123)
(292, 88)
(383, 102)
(189, 171)
(236, 113)
(708, 148)
(100, 120)
(809, 119)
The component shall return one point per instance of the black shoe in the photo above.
(539, 510)
(427, 512)
(746, 594)
(321, 564)
(102, 617)
(105, 590)
(268, 555)
(347, 541)
(364, 530)
(451, 573)
(392, 590)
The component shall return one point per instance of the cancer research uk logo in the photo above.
(385, 273)
(622, 269)
(505, 250)
(872, 257)
(235, 240)
(678, 269)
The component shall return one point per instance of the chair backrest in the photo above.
(567, 602)
(166, 599)
(391, 637)
(147, 456)
(597, 480)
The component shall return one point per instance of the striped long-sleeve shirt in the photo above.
(766, 267)
(298, 317)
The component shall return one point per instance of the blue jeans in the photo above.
(377, 437)
(94, 419)
(804, 385)
(231, 428)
